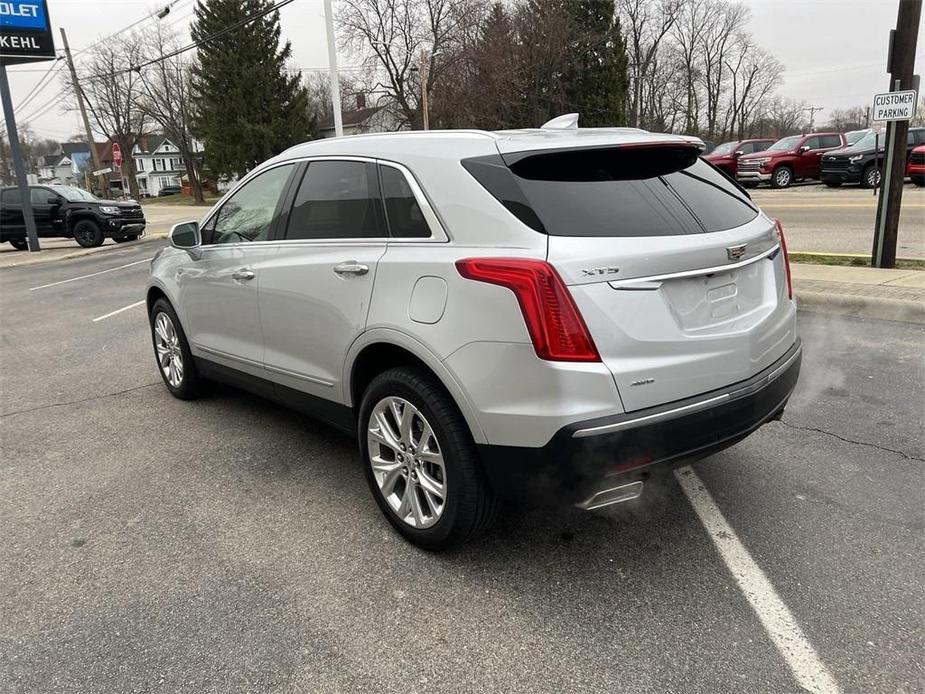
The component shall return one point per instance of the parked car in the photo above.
(557, 313)
(862, 162)
(790, 159)
(916, 167)
(69, 212)
(169, 190)
(726, 155)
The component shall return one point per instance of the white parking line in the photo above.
(92, 274)
(778, 622)
(118, 310)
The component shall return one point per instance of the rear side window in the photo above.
(10, 196)
(829, 141)
(665, 191)
(401, 207)
(761, 146)
(337, 200)
(811, 142)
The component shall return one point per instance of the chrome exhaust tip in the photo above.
(614, 495)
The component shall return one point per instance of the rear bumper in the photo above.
(585, 457)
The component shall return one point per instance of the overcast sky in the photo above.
(834, 51)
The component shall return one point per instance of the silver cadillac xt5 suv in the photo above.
(554, 313)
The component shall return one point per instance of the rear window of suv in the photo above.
(663, 191)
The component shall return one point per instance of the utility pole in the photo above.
(332, 66)
(423, 71)
(101, 180)
(901, 64)
(812, 114)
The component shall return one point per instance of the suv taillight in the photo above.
(553, 321)
(783, 247)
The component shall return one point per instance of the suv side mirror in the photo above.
(804, 148)
(185, 235)
(53, 200)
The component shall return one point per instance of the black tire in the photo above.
(470, 507)
(920, 182)
(782, 177)
(124, 239)
(19, 244)
(190, 385)
(88, 234)
(748, 184)
(871, 176)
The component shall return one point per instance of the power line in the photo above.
(196, 44)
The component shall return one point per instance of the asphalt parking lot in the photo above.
(230, 545)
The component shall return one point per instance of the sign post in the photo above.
(25, 36)
(117, 160)
(896, 107)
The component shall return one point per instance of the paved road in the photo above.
(841, 220)
(226, 545)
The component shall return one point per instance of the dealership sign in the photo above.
(25, 31)
(895, 105)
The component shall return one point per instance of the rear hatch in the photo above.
(678, 276)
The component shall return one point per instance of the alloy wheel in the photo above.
(167, 346)
(873, 177)
(782, 177)
(407, 462)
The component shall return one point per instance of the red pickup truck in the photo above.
(915, 169)
(789, 159)
(726, 155)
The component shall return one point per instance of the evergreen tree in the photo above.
(595, 84)
(247, 107)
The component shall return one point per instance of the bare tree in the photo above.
(645, 24)
(395, 36)
(113, 90)
(754, 75)
(843, 119)
(164, 97)
(783, 116)
(728, 21)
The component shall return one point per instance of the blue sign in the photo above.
(23, 14)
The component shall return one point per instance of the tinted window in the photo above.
(10, 196)
(336, 200)
(811, 142)
(919, 136)
(402, 210)
(248, 214)
(746, 148)
(631, 192)
(761, 146)
(39, 196)
(831, 141)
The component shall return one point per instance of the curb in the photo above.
(876, 307)
(84, 252)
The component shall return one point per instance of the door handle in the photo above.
(351, 267)
(242, 275)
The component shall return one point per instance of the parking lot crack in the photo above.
(77, 402)
(855, 442)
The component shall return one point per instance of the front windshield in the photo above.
(724, 148)
(785, 144)
(856, 136)
(870, 140)
(74, 194)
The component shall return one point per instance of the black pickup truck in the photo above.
(69, 212)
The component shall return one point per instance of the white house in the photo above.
(158, 165)
(56, 168)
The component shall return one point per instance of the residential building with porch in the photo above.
(158, 165)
